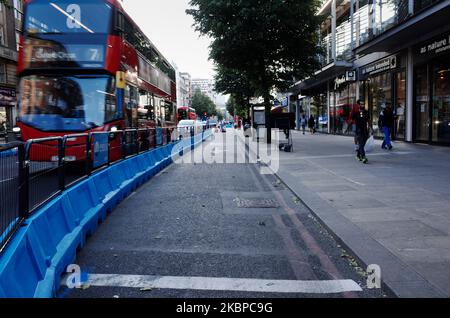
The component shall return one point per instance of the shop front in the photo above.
(343, 104)
(7, 105)
(318, 107)
(383, 84)
(432, 91)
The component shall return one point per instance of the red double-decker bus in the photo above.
(85, 66)
(186, 113)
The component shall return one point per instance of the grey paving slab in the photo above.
(441, 223)
(379, 214)
(398, 229)
(421, 249)
(438, 209)
(436, 272)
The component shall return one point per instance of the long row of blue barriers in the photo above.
(35, 260)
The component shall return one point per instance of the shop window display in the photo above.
(441, 102)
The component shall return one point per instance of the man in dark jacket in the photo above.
(312, 125)
(362, 119)
(386, 124)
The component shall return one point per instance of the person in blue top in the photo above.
(386, 124)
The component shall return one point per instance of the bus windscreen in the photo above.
(58, 17)
(67, 103)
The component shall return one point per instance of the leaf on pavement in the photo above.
(146, 289)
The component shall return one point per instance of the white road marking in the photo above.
(223, 284)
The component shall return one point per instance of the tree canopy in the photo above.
(203, 104)
(265, 43)
(237, 108)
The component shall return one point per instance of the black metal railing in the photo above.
(11, 158)
(75, 169)
(44, 162)
(33, 173)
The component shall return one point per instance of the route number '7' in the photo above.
(94, 54)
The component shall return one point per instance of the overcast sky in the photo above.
(168, 26)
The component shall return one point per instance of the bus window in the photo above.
(131, 102)
(169, 110)
(157, 103)
(145, 108)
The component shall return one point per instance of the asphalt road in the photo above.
(204, 230)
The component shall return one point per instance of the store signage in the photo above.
(8, 53)
(8, 96)
(349, 76)
(386, 64)
(436, 46)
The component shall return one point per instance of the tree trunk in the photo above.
(268, 108)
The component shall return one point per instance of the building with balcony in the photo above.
(184, 89)
(206, 86)
(10, 28)
(383, 52)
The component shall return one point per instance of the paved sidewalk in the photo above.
(394, 212)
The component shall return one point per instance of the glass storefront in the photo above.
(8, 102)
(400, 105)
(341, 110)
(441, 101)
(422, 107)
(381, 93)
(432, 91)
(6, 122)
(319, 109)
(386, 89)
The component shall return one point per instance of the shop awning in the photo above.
(329, 72)
(414, 30)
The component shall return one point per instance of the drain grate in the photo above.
(256, 203)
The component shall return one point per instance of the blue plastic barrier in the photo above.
(8, 153)
(35, 260)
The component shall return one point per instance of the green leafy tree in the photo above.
(234, 83)
(220, 116)
(235, 108)
(203, 104)
(269, 42)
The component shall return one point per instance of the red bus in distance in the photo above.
(186, 113)
(85, 66)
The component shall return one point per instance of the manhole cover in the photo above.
(256, 203)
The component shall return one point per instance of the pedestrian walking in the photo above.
(355, 111)
(303, 122)
(386, 125)
(312, 125)
(362, 120)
